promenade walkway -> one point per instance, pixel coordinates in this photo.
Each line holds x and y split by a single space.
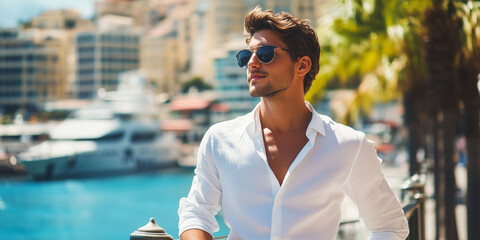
461 209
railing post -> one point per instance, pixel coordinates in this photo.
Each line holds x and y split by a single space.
151 231
414 188
415 184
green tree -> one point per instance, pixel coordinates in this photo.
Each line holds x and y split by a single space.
379 44
196 82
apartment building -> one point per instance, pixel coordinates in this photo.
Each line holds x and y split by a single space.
101 56
60 19
33 68
145 13
165 50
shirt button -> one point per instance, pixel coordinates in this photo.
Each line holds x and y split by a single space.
276 237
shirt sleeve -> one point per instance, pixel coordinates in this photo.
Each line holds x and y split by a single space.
198 209
377 205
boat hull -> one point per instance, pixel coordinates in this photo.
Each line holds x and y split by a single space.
99 160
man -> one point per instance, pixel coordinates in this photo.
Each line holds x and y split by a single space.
281 171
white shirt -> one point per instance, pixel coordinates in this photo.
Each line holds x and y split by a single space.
233 175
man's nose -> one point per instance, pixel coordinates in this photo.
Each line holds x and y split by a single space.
254 62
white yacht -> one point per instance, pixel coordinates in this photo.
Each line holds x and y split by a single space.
119 132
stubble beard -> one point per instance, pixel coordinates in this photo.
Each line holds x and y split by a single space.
268 91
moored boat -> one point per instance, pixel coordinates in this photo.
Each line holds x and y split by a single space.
119 132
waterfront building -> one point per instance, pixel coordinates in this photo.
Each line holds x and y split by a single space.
101 55
165 50
59 19
33 68
34 60
144 13
164 46
13 52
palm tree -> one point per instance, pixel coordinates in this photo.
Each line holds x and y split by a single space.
440 47
377 43
467 17
354 50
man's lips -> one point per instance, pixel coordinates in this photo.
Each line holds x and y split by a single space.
255 76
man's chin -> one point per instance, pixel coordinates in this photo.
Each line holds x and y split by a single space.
254 95
254 92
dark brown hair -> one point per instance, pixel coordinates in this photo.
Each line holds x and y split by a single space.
294 32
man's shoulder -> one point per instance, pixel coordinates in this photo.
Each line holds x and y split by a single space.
339 130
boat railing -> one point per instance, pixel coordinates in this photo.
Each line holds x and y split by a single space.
412 195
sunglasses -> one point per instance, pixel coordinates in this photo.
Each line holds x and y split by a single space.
265 54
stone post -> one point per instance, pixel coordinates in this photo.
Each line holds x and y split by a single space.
151 231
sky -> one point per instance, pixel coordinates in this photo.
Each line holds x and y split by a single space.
13 11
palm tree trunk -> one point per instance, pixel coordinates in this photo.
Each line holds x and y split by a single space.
440 54
468 79
450 117
438 170
413 113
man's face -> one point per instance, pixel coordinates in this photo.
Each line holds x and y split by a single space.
268 80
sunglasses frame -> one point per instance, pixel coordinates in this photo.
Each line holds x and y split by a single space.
255 50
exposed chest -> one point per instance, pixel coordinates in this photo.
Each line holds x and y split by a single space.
282 149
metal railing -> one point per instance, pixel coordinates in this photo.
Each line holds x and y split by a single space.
412 194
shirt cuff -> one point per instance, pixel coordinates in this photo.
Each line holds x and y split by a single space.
192 224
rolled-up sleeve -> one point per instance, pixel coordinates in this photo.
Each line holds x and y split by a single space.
378 206
198 209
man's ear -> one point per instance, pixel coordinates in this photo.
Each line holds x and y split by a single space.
305 63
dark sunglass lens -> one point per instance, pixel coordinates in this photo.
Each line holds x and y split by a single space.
266 53
243 57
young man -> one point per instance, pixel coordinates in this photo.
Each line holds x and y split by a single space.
281 171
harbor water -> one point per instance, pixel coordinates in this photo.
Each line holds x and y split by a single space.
94 208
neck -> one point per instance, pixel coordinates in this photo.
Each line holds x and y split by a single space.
284 114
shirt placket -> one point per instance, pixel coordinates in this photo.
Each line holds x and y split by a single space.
275 233
261 151
277 214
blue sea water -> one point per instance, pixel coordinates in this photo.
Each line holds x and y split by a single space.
95 208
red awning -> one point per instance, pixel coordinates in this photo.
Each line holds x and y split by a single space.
188 104
220 107
177 125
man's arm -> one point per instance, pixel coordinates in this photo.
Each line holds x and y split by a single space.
195 234
377 204
197 210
